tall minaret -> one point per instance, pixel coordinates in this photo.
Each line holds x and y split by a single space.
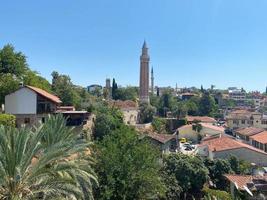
144 75
152 81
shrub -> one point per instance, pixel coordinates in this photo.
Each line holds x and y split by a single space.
7 120
217 194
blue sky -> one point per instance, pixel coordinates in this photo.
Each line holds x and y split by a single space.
191 42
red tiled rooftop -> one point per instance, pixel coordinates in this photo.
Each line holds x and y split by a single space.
201 119
224 143
45 94
249 131
260 137
124 104
206 125
162 138
239 180
210 126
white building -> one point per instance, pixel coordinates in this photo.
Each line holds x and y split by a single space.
30 105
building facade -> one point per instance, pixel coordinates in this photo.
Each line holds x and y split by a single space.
245 118
31 105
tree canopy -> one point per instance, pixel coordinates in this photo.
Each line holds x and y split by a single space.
127 167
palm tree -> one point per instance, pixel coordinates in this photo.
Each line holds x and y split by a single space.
47 163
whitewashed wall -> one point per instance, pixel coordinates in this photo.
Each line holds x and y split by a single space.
23 101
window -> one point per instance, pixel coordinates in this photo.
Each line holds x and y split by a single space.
235 121
27 120
243 121
264 122
43 120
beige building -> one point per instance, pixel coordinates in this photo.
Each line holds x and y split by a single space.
245 118
259 140
129 110
165 142
245 133
188 132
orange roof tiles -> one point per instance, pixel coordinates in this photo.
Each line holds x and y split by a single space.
162 138
224 143
249 131
239 180
205 119
210 126
45 94
124 104
260 137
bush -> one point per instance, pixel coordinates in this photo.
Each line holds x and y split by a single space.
218 194
7 120
159 125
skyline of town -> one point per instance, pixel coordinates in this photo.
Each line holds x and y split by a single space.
212 42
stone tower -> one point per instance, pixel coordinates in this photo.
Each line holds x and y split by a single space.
144 75
108 87
152 81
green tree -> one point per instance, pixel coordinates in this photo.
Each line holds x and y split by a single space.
180 110
127 167
8 84
207 106
128 93
159 125
12 62
64 88
107 120
166 103
189 171
14 70
146 112
47 163
217 170
34 79
114 88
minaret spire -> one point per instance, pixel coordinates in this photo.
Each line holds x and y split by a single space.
152 81
144 74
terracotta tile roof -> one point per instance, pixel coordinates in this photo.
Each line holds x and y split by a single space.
249 131
185 127
204 119
206 125
260 137
45 94
213 127
162 138
123 104
224 143
239 180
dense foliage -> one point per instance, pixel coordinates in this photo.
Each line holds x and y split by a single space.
189 171
146 112
107 120
7 120
14 70
127 167
45 163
